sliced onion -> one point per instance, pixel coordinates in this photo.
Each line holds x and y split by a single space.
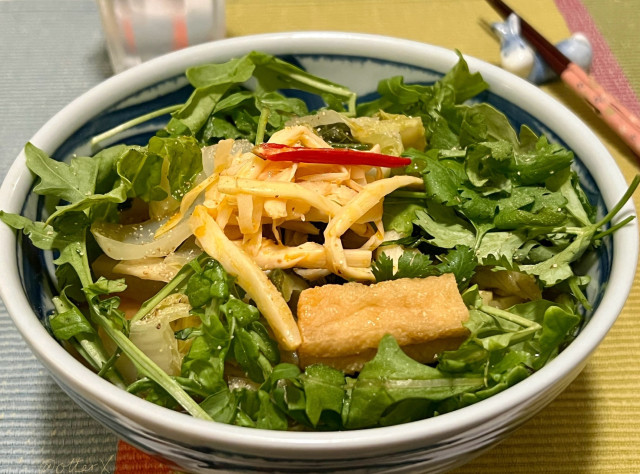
324 117
154 336
209 152
136 241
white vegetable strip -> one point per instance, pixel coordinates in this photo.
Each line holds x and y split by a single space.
249 276
274 189
135 241
151 268
185 204
282 172
370 195
298 135
249 213
222 157
307 255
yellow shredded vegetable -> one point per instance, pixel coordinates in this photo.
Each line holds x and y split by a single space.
255 215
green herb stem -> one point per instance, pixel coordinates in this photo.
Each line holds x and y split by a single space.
90 347
621 202
612 229
262 125
85 355
149 368
177 282
506 315
524 335
139 358
107 366
132 123
94 354
336 90
577 292
406 195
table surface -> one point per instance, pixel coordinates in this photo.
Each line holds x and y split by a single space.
51 52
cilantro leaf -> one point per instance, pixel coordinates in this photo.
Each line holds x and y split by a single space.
445 227
461 261
411 264
537 163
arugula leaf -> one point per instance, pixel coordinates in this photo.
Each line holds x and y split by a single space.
70 182
221 406
506 345
97 185
106 161
69 321
436 104
141 171
324 390
517 218
192 116
70 243
557 327
70 240
273 73
252 115
442 178
496 246
576 202
392 377
457 86
557 268
538 163
486 165
236 70
465 83
184 159
269 417
73 182
215 84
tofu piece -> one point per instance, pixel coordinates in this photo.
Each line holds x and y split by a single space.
341 325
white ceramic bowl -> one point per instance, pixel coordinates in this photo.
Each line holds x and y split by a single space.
358 61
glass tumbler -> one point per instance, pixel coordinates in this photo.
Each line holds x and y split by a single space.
138 30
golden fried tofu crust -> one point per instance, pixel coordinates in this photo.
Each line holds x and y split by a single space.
341 325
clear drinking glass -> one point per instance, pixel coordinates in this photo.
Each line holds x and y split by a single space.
138 30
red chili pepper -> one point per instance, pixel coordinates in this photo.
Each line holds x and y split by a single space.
337 156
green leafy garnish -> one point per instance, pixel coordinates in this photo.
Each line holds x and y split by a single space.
493 200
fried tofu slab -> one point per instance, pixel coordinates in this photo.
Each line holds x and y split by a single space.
341 325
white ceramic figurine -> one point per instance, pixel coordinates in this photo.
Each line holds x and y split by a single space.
518 57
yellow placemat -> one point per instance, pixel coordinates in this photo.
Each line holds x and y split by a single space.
594 426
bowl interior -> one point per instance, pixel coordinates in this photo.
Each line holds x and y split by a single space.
358 72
